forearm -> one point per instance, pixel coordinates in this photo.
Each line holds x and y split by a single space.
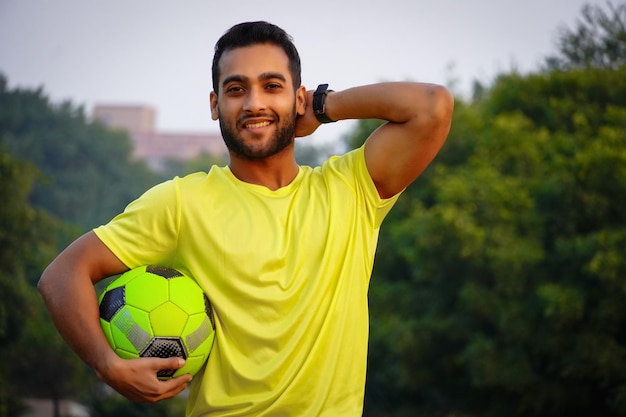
418 116
396 102
67 287
72 305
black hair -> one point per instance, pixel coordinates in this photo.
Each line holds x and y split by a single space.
252 33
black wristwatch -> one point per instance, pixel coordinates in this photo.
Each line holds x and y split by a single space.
319 104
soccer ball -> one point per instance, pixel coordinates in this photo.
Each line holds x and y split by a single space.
155 311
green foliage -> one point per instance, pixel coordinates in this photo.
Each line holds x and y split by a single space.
552 100
499 290
311 154
54 164
86 172
118 406
18 240
361 131
41 364
597 41
201 163
36 361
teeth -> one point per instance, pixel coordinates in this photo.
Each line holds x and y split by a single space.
256 125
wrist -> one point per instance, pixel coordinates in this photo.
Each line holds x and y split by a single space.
319 104
108 364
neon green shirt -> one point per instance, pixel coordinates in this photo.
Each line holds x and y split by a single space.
287 272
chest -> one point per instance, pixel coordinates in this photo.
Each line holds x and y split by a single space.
250 241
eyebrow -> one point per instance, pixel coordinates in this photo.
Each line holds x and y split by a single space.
262 77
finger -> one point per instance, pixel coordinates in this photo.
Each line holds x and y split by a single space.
172 387
160 364
179 382
165 389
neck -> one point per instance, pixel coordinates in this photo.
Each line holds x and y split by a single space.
274 172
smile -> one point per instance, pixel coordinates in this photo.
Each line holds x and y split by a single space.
257 125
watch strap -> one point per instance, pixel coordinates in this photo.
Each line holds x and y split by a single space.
319 103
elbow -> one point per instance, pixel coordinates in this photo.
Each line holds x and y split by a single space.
441 104
437 118
432 113
48 280
42 284
429 103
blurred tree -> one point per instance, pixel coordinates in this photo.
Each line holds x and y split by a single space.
500 293
87 173
42 365
115 405
17 240
27 339
312 154
54 165
21 234
498 282
201 163
597 41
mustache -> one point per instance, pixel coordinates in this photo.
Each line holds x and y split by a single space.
247 117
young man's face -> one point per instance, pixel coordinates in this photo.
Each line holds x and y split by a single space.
256 103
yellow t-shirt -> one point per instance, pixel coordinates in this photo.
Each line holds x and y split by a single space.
287 272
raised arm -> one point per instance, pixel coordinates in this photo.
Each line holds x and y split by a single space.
418 119
67 288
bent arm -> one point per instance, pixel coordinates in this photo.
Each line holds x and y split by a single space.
67 289
418 119
68 292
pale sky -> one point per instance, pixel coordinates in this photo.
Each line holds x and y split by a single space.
159 53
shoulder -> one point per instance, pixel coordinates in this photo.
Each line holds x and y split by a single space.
349 167
345 164
348 172
195 181
346 178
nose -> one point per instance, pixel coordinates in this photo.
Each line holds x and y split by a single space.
254 101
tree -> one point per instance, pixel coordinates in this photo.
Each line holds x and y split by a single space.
117 406
498 292
41 364
16 241
87 174
201 163
312 154
597 41
28 342
54 165
498 283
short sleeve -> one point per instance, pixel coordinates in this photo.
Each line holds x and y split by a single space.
353 169
147 231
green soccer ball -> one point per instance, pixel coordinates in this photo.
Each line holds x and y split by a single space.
155 311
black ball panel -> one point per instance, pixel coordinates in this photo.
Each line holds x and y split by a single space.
112 302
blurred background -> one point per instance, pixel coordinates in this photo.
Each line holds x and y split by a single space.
500 276
158 53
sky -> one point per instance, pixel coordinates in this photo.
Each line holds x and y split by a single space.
159 53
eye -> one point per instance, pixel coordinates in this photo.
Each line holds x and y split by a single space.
273 86
234 89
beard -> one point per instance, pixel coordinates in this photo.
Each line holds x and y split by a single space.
283 137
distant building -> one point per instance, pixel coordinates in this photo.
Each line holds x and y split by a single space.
152 146
127 117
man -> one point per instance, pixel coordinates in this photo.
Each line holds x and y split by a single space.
284 252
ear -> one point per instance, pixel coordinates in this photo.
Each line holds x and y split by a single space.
301 100
215 114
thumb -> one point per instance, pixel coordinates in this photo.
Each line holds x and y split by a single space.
165 367
175 362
